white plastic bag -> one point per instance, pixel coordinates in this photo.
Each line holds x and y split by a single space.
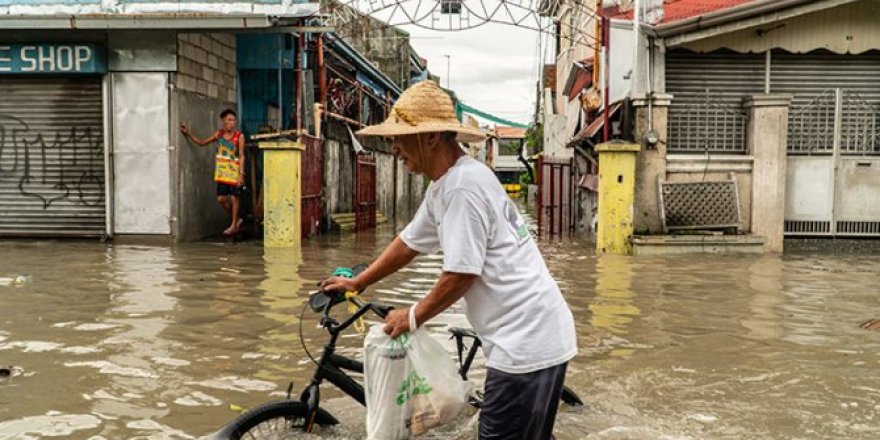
411 384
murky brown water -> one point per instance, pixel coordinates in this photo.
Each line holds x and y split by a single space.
119 342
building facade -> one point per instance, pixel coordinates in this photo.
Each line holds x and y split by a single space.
782 97
90 143
91 110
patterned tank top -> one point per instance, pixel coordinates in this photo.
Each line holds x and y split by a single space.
227 148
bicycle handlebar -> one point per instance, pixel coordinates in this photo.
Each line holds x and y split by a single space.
379 309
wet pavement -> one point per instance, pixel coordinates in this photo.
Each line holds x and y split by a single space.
122 341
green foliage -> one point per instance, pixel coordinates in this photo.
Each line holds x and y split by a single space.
535 139
525 180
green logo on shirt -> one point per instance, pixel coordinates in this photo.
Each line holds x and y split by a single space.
522 231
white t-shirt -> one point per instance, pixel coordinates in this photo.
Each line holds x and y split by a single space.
514 305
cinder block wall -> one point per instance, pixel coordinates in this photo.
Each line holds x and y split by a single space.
206 65
205 85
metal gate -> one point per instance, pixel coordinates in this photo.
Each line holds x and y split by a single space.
833 177
312 186
365 192
52 157
556 194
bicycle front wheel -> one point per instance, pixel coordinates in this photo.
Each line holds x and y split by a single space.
273 421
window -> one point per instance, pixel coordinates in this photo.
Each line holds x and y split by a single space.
509 147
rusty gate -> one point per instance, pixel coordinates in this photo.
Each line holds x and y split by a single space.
365 192
556 195
312 185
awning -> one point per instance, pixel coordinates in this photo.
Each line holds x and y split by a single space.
591 130
579 78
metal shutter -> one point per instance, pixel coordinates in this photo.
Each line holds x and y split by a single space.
812 79
708 90
807 76
51 157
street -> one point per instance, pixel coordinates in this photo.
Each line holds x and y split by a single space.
121 341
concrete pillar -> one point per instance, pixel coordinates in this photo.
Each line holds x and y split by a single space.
282 193
617 170
766 141
650 162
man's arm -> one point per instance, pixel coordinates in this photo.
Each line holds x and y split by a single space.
241 156
449 288
394 257
199 141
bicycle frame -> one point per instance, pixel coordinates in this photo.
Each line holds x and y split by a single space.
331 367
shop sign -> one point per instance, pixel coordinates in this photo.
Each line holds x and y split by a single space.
71 58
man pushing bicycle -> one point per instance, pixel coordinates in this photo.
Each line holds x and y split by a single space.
490 262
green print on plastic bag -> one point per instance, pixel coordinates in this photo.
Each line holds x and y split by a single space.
412 386
396 348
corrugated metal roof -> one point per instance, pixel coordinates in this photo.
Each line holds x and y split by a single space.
676 10
135 14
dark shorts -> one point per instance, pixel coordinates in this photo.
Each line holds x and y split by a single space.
521 406
228 190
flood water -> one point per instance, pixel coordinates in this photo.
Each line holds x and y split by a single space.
124 341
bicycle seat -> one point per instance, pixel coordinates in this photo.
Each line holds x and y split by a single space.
462 332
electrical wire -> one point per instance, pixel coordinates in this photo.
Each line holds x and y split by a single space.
302 339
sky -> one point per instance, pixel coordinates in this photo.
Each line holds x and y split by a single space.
493 68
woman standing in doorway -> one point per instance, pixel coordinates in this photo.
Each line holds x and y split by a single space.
228 167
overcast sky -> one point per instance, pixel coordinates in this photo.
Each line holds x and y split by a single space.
494 68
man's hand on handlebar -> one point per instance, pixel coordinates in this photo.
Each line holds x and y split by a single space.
341 284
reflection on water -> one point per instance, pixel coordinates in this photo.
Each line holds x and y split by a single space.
612 307
118 342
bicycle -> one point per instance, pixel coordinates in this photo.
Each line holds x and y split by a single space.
288 415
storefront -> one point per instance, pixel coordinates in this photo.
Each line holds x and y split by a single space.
91 98
52 156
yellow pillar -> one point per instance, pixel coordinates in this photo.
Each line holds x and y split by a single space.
617 178
282 193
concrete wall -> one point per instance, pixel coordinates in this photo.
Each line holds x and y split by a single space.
650 164
198 213
385 46
767 143
204 87
206 65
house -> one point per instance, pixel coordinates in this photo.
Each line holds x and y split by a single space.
508 150
574 106
782 95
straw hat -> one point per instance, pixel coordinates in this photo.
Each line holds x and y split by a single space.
424 108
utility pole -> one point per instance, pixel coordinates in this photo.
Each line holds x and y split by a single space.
448 75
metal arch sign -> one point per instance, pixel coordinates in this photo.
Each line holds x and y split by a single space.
61 58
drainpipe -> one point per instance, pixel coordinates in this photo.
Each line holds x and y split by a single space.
280 122
606 71
598 33
322 72
299 81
